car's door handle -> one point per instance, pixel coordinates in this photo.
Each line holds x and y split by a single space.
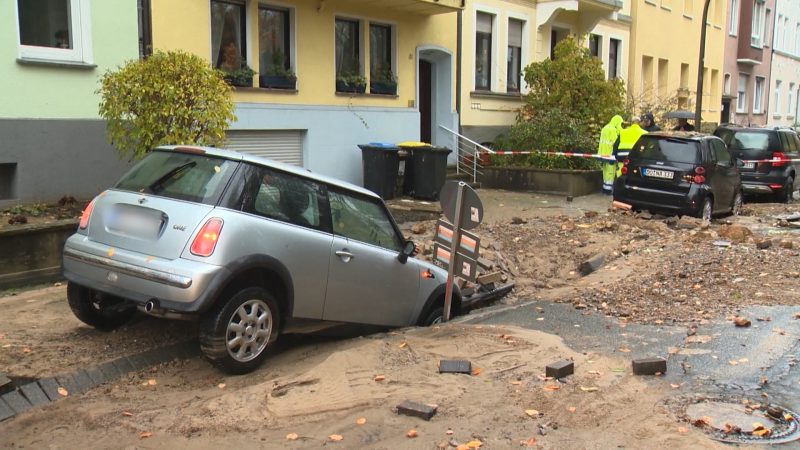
344 255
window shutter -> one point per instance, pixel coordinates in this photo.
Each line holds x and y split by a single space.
515 33
484 23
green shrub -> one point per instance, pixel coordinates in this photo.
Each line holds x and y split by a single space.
169 98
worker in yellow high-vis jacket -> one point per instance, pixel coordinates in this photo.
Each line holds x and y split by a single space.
608 136
627 138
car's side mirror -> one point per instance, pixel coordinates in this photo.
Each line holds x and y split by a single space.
409 247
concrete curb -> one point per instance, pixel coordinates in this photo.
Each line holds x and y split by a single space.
44 391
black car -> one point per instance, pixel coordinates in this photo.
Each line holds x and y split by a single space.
680 173
750 144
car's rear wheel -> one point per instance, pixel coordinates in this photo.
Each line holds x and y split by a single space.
707 211
101 311
736 208
236 334
788 191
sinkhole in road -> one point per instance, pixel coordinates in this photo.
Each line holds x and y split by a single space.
737 419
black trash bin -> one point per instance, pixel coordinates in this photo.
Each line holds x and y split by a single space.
380 164
426 171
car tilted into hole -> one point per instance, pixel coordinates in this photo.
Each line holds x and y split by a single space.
248 246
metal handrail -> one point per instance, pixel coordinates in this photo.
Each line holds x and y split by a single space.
467 151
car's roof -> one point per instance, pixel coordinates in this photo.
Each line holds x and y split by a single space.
687 135
236 156
732 127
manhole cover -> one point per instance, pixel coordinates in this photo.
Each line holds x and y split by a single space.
738 420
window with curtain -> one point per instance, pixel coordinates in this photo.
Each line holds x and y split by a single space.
613 58
54 30
758 96
228 34
514 63
483 51
380 52
733 27
274 40
757 29
741 93
777 106
348 61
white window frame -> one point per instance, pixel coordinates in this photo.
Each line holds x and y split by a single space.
777 106
523 88
741 94
733 28
758 95
757 28
81 32
789 112
494 55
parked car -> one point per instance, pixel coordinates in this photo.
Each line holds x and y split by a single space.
247 246
750 144
680 173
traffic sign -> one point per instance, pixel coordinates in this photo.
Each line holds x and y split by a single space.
466 268
469 243
471 208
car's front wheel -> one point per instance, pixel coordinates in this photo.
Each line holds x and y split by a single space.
101 311
434 317
236 334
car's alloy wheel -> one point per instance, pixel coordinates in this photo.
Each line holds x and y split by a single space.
707 211
736 209
249 330
237 333
101 311
434 317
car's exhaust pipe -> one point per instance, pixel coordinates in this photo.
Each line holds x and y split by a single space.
152 307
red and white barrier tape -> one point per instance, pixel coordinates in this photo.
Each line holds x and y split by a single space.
567 154
773 160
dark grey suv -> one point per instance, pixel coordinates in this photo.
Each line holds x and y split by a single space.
249 247
781 146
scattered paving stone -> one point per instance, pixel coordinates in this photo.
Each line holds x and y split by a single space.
455 366
591 265
560 369
419 228
517 221
741 322
763 243
4 380
787 244
649 366
414 409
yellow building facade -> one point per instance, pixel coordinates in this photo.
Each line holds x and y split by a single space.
317 121
663 60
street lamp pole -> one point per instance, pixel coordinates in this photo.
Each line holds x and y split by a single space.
700 65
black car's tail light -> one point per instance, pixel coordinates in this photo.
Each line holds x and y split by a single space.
781 157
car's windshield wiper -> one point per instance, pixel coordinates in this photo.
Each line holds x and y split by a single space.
156 186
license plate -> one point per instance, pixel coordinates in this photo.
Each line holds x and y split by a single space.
135 224
749 165
654 173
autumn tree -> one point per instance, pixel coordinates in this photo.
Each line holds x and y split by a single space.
168 98
568 102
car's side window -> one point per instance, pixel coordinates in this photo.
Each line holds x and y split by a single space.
791 145
285 197
722 155
793 137
362 219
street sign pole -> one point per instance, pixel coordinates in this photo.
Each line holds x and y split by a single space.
448 293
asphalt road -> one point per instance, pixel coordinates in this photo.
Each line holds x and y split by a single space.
746 362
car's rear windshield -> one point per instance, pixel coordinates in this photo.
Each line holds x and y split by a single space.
667 150
182 176
748 140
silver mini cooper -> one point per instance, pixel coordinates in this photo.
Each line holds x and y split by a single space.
250 247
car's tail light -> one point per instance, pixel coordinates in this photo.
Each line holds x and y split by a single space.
700 170
87 214
781 157
206 240
624 169
776 186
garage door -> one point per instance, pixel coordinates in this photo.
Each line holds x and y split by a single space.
281 145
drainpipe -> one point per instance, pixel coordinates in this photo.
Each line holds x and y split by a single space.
459 29
700 63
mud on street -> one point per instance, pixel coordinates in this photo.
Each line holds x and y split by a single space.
665 280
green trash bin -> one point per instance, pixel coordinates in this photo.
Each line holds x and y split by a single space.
380 165
426 171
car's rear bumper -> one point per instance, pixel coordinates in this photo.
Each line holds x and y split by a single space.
681 203
762 183
178 285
